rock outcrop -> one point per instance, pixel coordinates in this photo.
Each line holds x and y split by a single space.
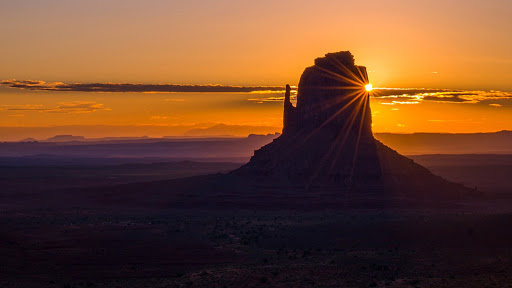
327 139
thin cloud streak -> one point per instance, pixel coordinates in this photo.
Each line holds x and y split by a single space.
387 96
133 87
415 96
74 107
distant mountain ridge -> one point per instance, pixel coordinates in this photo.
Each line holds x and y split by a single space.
65 138
407 144
207 129
183 148
227 130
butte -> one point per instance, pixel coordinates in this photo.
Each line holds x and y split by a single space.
327 143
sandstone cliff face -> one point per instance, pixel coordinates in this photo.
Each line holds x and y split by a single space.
331 95
327 137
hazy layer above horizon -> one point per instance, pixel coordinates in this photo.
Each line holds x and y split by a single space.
43 114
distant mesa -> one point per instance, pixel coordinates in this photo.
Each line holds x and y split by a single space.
30 139
65 138
224 130
71 138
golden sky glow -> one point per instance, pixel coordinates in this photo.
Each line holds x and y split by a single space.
166 114
458 45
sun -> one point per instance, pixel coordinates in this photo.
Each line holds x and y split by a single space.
369 87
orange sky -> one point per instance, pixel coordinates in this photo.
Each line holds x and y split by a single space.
431 44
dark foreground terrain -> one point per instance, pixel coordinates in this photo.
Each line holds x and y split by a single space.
88 248
490 173
469 245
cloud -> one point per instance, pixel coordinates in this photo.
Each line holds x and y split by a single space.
174 100
74 107
443 98
158 117
280 99
400 102
133 87
267 99
454 121
389 96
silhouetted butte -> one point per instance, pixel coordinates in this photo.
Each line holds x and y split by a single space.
327 140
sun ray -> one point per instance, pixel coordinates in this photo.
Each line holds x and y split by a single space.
332 117
348 70
353 117
332 102
336 76
358 138
358 99
348 80
363 77
344 131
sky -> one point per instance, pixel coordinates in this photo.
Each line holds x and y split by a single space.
449 44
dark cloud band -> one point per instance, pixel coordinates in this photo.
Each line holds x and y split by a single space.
386 95
415 96
131 87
